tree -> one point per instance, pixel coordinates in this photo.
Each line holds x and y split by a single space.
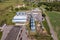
16 9
43 15
1 0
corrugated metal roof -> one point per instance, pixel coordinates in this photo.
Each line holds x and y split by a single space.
20 17
32 23
19 21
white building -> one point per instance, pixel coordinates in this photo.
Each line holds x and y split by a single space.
20 18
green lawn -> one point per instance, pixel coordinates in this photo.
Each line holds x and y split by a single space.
55 21
0 35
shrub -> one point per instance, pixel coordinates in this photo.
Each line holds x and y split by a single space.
24 8
16 9
43 15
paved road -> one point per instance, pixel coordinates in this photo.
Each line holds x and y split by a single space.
13 33
54 35
6 30
23 33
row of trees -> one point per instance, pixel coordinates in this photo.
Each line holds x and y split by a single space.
54 6
21 8
41 0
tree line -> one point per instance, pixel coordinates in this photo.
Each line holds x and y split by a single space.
54 6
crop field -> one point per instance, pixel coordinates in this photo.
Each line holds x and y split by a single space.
55 21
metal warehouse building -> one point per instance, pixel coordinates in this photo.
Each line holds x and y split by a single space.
20 18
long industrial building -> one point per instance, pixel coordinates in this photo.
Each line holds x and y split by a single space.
20 18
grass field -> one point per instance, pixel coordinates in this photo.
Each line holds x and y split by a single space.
0 35
5 4
7 17
55 21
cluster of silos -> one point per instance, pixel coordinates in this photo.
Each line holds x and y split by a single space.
32 24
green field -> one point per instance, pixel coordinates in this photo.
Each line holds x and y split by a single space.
7 17
5 4
0 35
55 21
5 14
